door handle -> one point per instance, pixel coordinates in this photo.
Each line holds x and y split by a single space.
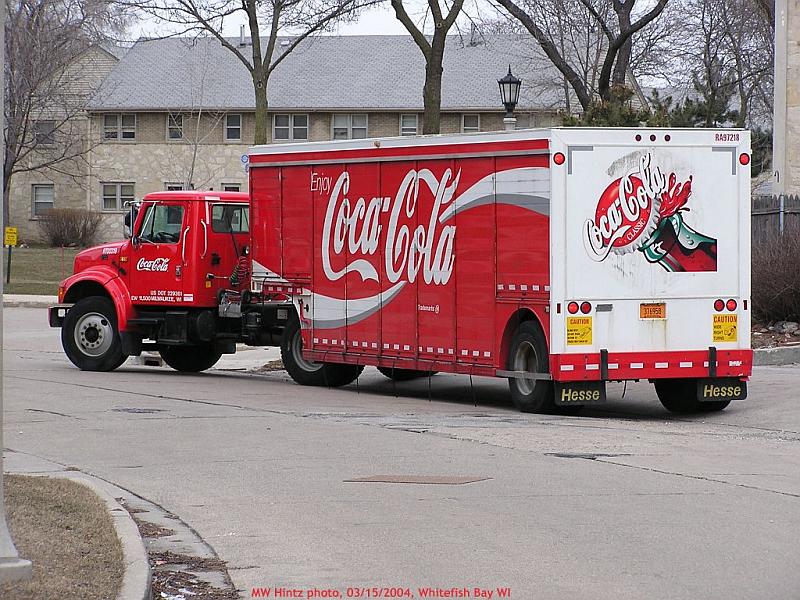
183 246
205 239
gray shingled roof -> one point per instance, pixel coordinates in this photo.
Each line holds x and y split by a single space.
327 73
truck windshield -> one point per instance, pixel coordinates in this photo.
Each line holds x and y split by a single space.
230 218
162 224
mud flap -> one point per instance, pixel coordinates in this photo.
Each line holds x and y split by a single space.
570 393
721 389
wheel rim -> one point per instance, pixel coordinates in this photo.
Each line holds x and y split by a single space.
93 334
297 353
525 359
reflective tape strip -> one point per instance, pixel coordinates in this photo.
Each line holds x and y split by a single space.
592 367
613 365
567 367
662 365
637 365
685 365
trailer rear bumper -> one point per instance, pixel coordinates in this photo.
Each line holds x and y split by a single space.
681 364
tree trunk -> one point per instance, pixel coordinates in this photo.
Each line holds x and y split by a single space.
262 118
432 92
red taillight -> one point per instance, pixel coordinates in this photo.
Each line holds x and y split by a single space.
719 305
744 159
731 305
572 307
559 158
586 308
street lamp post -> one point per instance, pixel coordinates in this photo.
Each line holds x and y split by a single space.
509 92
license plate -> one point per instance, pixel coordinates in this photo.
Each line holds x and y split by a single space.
653 310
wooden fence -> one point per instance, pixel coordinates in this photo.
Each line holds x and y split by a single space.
773 215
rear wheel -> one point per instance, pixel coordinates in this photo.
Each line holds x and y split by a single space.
404 374
89 335
528 353
190 359
680 396
308 372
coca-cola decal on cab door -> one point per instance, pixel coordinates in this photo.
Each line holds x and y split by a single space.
160 265
644 212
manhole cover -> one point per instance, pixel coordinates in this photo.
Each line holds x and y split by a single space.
138 411
418 479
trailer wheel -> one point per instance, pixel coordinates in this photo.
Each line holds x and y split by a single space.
89 335
404 374
529 353
307 372
680 396
190 359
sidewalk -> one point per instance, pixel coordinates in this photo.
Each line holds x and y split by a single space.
28 301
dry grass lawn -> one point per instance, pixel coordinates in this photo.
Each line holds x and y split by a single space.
64 528
38 270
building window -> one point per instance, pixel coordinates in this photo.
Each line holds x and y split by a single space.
231 187
349 127
119 127
233 128
43 198
172 186
115 195
470 123
174 127
408 124
289 127
44 133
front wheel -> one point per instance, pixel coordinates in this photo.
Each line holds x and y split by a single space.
528 353
404 374
190 359
308 372
680 396
89 335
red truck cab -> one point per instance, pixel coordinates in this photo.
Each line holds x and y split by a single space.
161 286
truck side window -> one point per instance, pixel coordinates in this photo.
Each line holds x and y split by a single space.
230 218
162 224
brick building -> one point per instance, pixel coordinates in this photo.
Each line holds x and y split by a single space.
176 113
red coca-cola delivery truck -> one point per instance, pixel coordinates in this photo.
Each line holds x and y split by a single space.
560 259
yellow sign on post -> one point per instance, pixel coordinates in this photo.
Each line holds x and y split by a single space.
10 237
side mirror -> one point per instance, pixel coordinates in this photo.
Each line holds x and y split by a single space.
129 221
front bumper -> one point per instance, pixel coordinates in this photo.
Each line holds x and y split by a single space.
57 313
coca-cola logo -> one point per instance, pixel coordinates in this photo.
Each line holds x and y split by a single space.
427 249
627 212
157 264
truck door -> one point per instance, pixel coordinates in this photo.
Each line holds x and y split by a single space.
158 253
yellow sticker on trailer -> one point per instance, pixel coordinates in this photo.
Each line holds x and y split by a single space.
579 331
725 328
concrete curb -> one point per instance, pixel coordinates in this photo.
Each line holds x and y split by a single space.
782 355
136 582
28 301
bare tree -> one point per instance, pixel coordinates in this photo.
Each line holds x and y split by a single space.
268 18
45 91
615 19
433 51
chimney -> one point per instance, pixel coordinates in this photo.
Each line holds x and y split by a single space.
242 42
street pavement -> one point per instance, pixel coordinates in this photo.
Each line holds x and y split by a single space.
621 502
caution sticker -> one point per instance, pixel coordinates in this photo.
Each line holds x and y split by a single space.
725 328
579 331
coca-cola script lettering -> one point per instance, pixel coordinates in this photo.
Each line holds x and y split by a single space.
428 248
160 265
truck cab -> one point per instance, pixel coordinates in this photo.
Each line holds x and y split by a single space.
160 289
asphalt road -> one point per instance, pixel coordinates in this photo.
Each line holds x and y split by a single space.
624 502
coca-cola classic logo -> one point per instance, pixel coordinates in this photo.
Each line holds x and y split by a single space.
428 248
157 264
644 211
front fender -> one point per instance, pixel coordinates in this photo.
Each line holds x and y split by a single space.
90 282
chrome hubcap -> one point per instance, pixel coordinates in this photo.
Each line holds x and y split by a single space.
525 360
297 352
93 334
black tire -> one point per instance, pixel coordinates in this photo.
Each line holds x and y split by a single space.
190 359
528 352
90 337
306 372
680 396
404 374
